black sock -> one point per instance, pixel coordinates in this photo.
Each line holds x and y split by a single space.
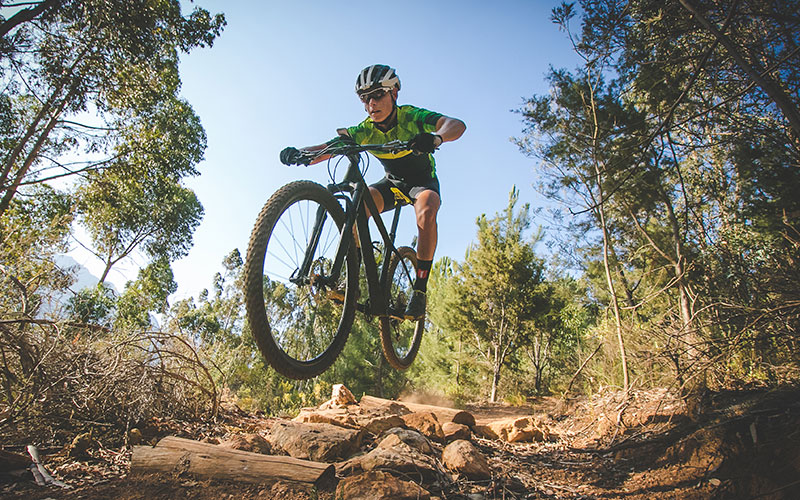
423 269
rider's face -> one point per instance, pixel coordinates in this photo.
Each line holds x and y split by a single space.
380 109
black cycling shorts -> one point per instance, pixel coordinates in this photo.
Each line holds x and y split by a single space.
396 190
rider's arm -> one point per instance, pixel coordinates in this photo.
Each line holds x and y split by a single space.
449 129
341 132
318 147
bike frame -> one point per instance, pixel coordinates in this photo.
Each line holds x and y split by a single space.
353 190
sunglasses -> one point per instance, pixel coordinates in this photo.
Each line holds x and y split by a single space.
375 94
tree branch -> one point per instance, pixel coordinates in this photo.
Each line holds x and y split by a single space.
774 91
26 15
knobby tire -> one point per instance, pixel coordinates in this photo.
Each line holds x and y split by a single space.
258 251
400 340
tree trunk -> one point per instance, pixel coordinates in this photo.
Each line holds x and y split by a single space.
614 300
495 374
26 15
379 381
443 414
178 456
599 205
11 190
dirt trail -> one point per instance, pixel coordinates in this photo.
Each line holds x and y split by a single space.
743 444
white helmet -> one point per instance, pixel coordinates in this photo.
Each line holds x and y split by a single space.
375 77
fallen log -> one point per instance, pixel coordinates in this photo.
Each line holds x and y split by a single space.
13 461
442 413
183 456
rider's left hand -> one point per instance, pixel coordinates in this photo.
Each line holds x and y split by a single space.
425 142
292 156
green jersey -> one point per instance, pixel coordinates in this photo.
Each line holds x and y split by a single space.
410 122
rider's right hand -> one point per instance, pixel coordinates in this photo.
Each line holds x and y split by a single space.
290 156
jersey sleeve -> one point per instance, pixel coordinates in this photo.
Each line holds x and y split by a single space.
360 133
426 120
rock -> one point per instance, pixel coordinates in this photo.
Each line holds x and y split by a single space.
518 429
135 437
412 438
426 423
379 425
486 432
80 446
464 418
335 416
376 485
247 442
400 458
342 396
393 455
461 456
453 431
316 442
384 406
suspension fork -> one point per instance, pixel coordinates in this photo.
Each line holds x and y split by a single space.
302 273
351 185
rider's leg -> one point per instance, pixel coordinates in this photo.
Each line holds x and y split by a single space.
377 197
426 208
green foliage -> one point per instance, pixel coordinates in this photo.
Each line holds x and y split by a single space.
684 160
32 231
496 293
147 294
92 92
219 320
362 367
139 200
93 306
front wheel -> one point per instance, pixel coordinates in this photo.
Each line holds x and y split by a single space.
300 317
400 339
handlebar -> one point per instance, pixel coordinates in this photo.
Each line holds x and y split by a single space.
341 149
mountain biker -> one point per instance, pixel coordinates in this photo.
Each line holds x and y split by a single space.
410 175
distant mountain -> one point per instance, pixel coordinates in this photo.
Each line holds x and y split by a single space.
85 279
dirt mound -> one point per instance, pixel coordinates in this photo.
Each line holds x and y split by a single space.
641 445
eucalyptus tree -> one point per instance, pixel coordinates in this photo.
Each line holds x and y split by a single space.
33 230
91 92
124 212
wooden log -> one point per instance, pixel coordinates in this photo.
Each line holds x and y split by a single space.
442 414
179 456
13 461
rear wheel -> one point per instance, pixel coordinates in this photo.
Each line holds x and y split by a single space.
300 323
400 339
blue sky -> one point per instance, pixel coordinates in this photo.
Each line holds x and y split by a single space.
282 73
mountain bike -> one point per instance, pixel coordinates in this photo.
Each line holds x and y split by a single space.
302 270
